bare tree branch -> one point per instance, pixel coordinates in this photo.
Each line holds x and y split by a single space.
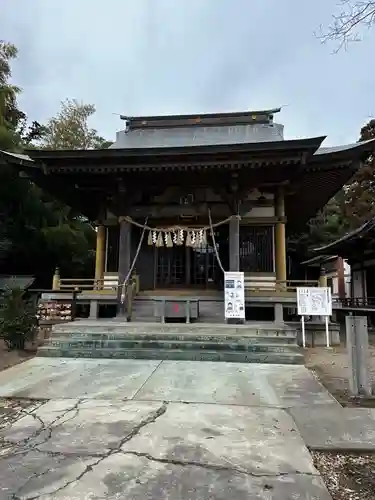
346 25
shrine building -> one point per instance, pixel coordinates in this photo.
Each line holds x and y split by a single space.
177 200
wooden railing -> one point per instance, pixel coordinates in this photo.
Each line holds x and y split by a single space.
103 286
84 284
356 302
93 285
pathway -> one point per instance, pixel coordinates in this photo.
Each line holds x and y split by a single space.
118 429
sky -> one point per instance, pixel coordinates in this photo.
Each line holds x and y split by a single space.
145 57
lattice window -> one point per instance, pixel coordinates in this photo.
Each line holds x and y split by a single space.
203 265
185 266
256 249
171 268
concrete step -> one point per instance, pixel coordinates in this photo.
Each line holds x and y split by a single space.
175 354
249 338
121 327
255 343
84 343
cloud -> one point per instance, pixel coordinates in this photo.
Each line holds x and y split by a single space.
180 56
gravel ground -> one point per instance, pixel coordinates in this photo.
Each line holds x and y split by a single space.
11 358
347 476
331 367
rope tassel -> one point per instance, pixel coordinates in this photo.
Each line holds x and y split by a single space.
180 237
193 239
168 240
159 241
204 238
150 241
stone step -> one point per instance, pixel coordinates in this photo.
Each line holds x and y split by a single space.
83 343
288 338
175 354
120 327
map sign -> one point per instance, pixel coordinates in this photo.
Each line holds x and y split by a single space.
234 295
314 301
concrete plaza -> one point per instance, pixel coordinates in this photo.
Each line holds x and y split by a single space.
119 429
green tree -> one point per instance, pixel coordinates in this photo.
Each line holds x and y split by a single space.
360 192
69 129
10 115
329 224
17 318
36 231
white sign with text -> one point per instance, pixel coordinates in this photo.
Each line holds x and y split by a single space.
314 301
234 295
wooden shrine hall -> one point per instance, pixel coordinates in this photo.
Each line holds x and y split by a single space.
177 200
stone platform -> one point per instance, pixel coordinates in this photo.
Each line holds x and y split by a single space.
250 343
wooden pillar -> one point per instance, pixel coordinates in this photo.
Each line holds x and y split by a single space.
341 277
188 266
280 241
323 280
234 244
56 280
100 256
124 254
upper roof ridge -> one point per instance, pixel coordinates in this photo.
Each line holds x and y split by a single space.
200 119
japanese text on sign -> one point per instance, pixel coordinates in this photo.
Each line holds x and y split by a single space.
234 295
314 301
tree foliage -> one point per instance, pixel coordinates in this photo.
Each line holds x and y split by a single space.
347 24
37 232
10 115
353 205
17 318
14 129
69 129
360 192
329 224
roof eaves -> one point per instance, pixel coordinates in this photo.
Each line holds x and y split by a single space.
366 227
283 145
361 146
319 259
17 158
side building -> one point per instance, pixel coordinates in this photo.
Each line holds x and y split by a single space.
358 248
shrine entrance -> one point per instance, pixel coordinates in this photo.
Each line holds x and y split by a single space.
187 267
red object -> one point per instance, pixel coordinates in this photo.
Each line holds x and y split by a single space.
176 308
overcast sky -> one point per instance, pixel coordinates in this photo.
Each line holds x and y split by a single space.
191 56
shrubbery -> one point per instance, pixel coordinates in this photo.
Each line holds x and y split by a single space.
18 322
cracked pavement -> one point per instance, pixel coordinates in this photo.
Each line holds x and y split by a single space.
166 439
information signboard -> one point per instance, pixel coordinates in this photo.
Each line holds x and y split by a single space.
314 301
234 295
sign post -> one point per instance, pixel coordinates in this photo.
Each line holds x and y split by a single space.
234 295
314 301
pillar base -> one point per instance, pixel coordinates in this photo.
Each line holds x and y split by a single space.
94 309
279 314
